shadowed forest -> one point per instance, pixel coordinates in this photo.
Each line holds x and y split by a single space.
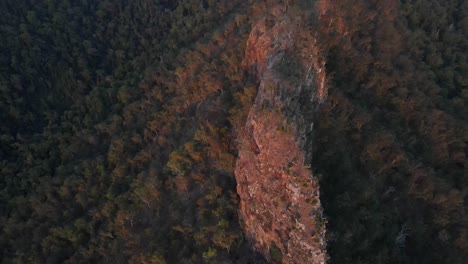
118 130
392 139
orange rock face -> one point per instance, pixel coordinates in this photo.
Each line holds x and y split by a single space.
279 197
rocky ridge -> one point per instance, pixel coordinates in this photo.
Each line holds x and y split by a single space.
280 207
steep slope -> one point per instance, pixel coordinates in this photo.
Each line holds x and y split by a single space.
279 197
137 166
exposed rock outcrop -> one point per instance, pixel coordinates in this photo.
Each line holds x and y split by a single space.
279 197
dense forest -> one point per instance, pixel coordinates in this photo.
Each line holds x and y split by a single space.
395 121
106 151
118 124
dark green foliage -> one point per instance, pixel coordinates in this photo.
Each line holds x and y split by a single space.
392 141
105 156
116 131
276 255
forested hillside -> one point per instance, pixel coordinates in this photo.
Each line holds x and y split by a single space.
118 127
116 142
391 143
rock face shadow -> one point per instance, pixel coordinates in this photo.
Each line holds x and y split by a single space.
280 207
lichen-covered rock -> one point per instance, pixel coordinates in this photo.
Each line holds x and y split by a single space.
279 197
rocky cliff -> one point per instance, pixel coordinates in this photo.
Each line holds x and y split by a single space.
279 197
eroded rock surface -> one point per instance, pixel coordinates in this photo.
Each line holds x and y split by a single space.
279 197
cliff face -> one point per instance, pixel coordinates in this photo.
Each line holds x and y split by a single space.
279 197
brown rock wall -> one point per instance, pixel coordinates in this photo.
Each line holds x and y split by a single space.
279 197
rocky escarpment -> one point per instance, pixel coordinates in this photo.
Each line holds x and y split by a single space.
279 197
